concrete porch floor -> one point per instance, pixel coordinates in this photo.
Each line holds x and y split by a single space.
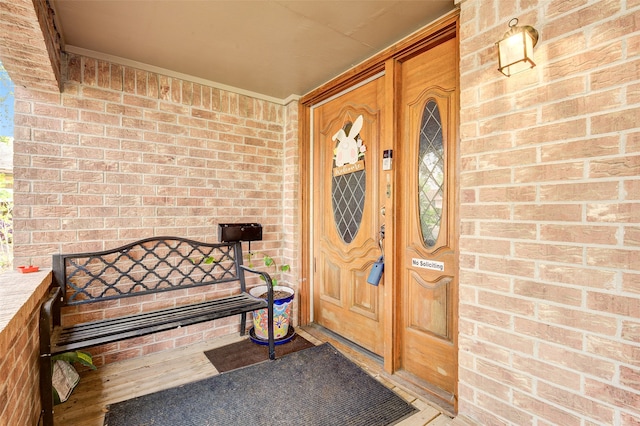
131 378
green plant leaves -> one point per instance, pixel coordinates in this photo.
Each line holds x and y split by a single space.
80 357
207 260
269 262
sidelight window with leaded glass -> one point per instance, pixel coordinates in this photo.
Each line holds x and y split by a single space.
430 173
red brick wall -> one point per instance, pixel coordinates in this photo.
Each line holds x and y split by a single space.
20 347
550 179
124 154
19 392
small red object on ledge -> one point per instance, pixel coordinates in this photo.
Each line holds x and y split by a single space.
27 269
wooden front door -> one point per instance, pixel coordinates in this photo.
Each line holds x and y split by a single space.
427 248
346 219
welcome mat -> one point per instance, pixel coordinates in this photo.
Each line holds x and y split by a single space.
317 386
245 352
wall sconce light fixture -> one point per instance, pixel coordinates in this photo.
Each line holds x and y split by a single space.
515 50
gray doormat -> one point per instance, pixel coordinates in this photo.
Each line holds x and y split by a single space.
315 386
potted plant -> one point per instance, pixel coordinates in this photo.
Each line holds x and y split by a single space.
282 301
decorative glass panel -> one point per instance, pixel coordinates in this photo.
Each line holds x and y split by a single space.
430 173
348 203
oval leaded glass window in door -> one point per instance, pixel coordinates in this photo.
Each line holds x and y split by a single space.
430 173
349 180
348 203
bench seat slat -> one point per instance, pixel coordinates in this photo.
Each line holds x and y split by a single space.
116 325
116 329
241 299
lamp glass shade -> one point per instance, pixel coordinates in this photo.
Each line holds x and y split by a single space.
515 52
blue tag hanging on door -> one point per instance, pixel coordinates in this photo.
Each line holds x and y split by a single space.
376 271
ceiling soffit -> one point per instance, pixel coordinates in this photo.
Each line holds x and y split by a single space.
269 47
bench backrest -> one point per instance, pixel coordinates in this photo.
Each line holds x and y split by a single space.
147 266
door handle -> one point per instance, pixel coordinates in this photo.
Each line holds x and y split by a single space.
375 275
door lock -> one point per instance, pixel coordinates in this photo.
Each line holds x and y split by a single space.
381 240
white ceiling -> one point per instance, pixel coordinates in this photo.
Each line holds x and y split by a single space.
275 48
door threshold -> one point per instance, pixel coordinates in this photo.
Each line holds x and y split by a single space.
426 390
342 343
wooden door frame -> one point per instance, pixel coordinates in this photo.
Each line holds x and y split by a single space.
389 61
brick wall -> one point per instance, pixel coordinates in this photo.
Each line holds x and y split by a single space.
291 199
21 297
31 59
123 154
19 392
550 216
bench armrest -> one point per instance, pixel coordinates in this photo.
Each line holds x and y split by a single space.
49 312
48 318
267 279
271 332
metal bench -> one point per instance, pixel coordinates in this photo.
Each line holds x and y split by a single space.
144 268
